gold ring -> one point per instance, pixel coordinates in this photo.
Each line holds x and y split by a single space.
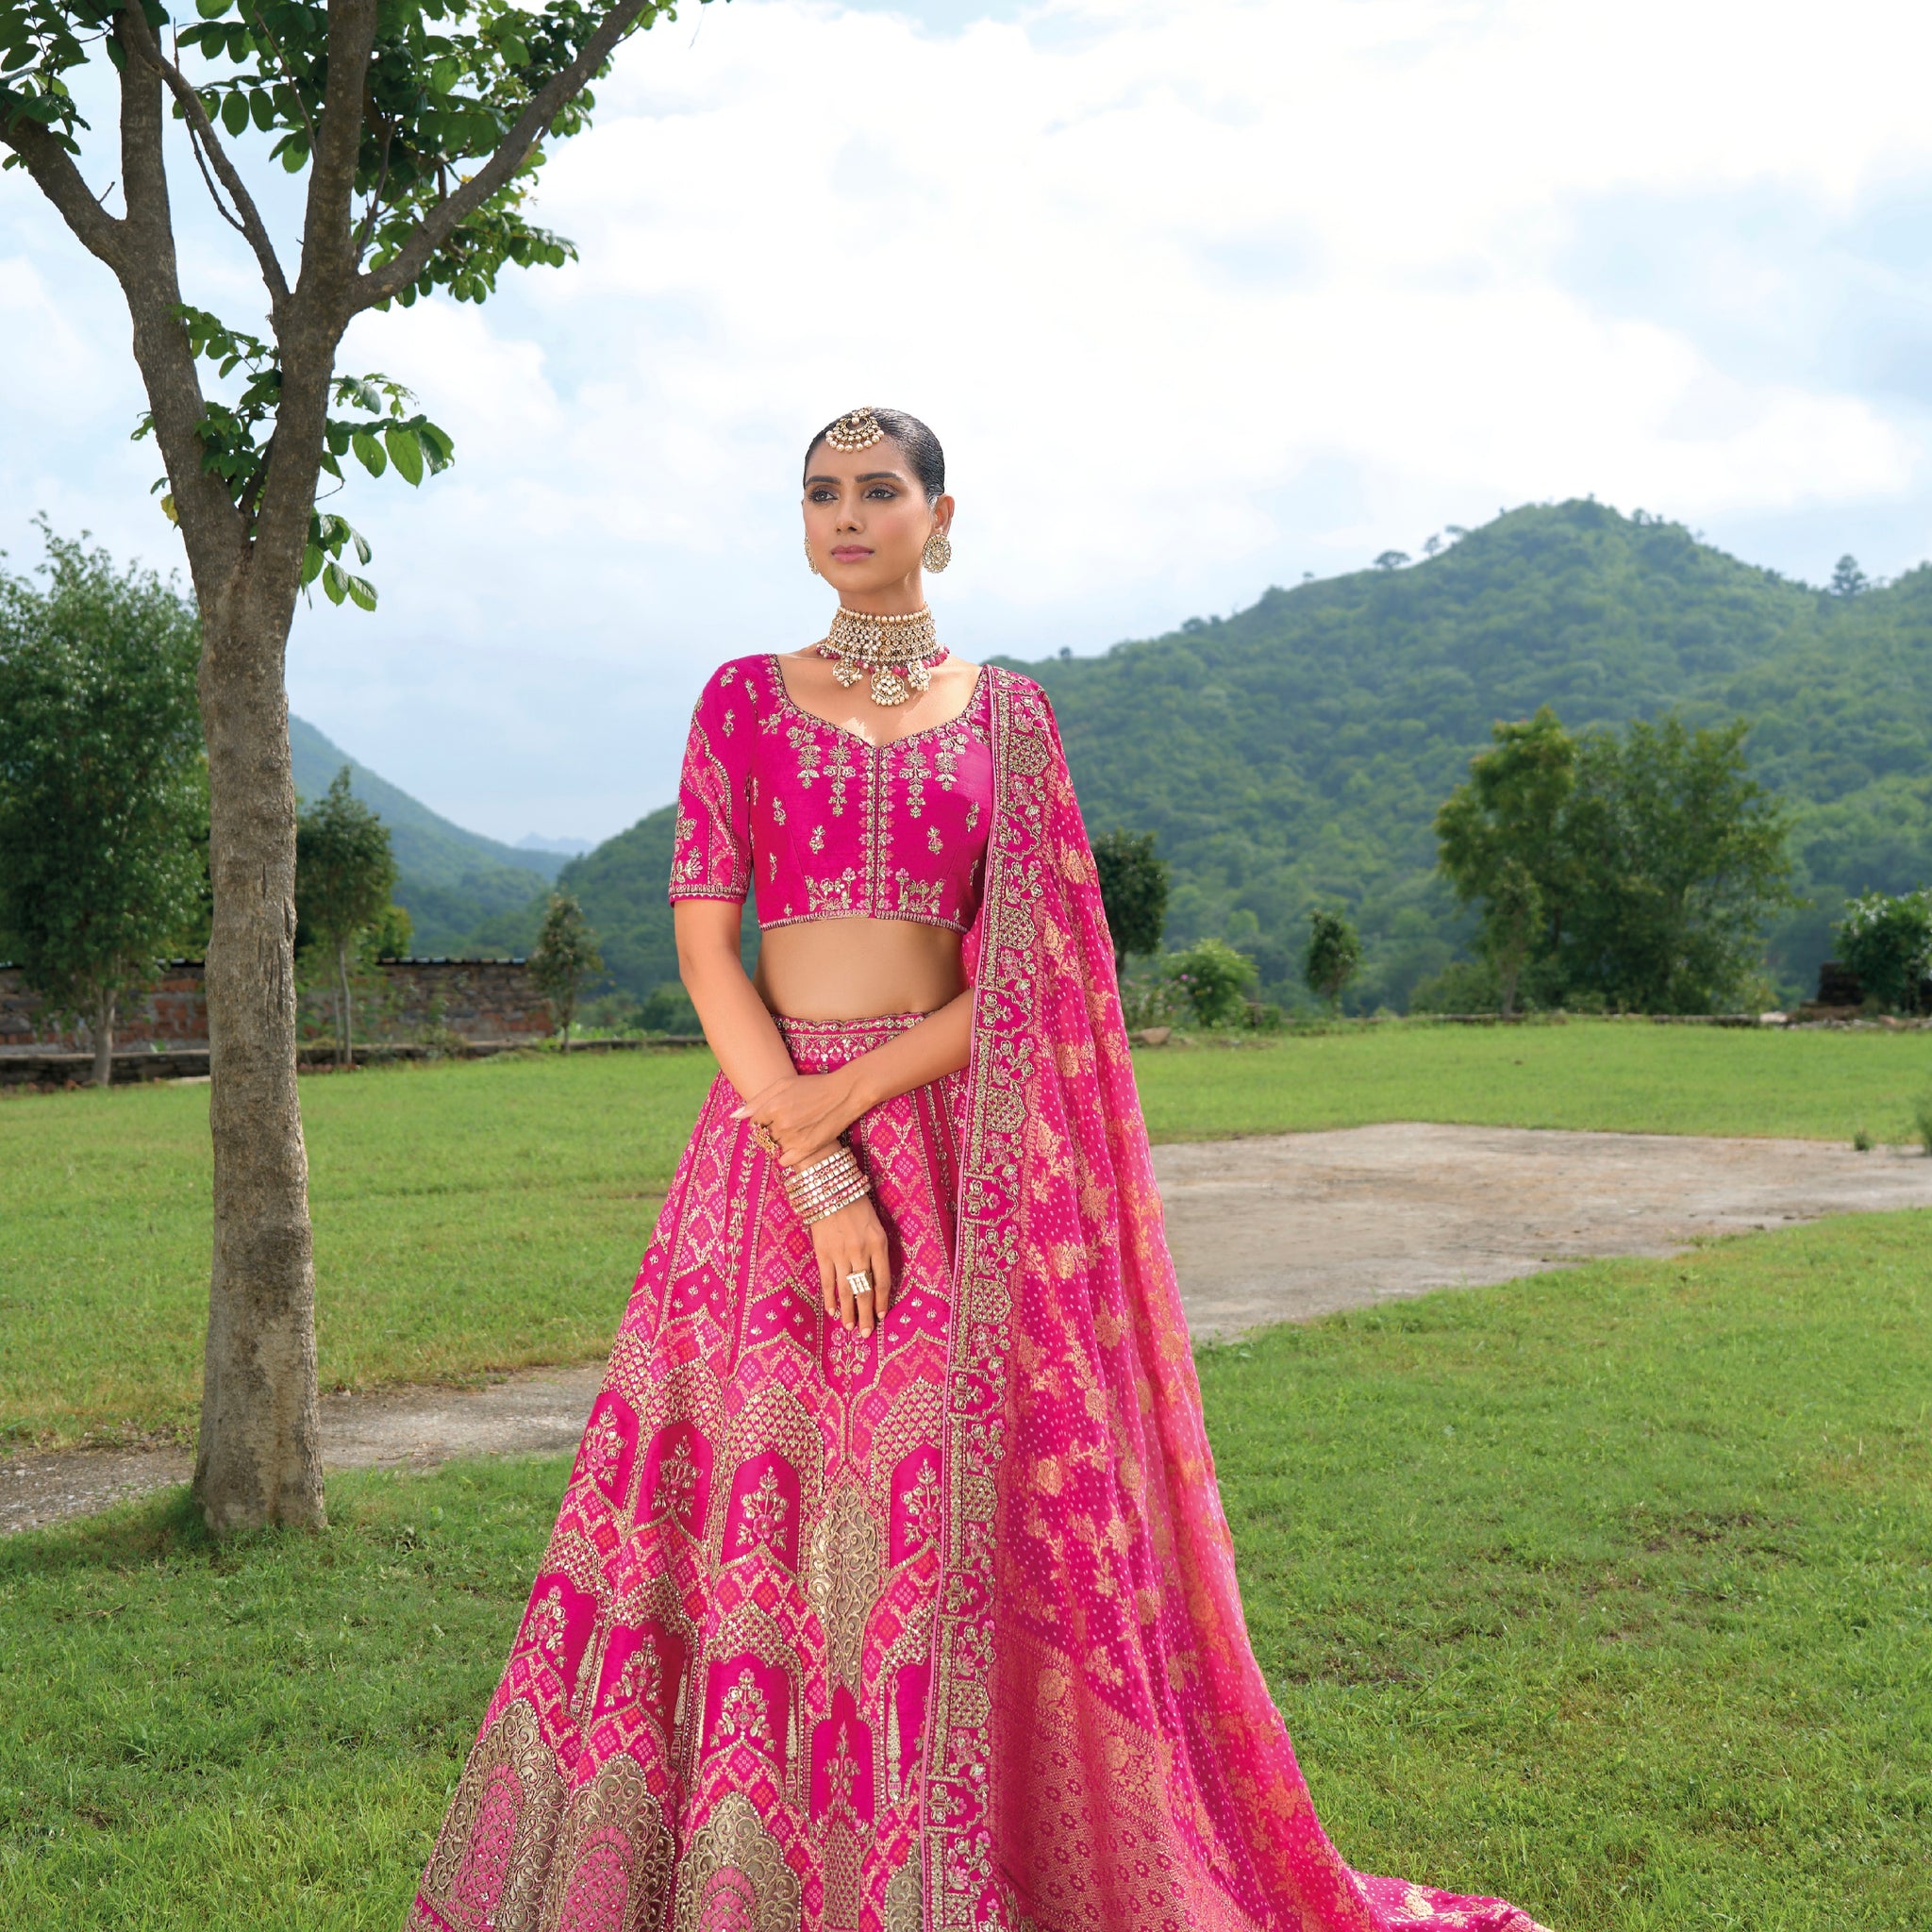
860 1284
766 1139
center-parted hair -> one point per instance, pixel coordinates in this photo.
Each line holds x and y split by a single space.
920 448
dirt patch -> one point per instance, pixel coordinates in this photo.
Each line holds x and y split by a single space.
1275 1230
1294 1226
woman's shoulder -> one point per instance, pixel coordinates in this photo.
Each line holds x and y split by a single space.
736 681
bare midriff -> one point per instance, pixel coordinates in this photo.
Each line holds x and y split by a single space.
857 969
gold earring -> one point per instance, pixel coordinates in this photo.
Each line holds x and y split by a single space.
937 552
812 563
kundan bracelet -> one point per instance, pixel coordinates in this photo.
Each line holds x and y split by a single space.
832 1182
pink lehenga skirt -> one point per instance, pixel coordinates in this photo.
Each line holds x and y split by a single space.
713 1714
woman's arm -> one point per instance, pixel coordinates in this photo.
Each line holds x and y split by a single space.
740 1032
808 1111
754 1058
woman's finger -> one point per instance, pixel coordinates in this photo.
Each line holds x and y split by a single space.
848 1307
828 1283
881 1274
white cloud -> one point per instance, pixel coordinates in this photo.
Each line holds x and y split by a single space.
1198 297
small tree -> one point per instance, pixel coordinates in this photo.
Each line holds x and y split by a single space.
1887 941
1501 844
103 787
564 958
1213 978
1133 889
345 873
1847 579
1333 958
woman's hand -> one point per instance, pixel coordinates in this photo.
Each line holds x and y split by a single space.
848 1243
803 1112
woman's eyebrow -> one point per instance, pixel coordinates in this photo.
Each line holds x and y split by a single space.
870 477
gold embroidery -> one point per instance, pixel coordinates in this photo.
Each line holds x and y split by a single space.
735 1875
743 1718
488 1868
905 1906
765 1513
844 1581
614 1854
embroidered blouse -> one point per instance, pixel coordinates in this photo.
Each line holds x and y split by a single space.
822 825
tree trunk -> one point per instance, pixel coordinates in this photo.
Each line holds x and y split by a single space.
260 1459
104 1039
345 1045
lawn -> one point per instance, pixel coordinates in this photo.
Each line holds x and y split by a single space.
1570 1589
472 1217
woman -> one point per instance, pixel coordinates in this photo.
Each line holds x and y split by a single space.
891 1587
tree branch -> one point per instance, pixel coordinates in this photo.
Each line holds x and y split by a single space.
327 261
441 222
56 177
247 217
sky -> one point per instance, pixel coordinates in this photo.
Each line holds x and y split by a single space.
1200 298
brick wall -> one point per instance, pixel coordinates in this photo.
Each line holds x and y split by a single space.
480 999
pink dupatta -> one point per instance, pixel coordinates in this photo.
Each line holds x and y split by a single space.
1103 1751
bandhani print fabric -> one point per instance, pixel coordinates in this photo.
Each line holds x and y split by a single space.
938 1630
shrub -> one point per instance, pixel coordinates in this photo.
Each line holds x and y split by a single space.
1887 941
1213 979
669 1010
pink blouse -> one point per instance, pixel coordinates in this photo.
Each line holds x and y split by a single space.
825 824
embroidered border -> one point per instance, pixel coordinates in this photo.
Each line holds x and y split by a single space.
962 1883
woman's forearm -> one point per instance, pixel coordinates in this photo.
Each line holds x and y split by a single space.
939 1045
740 1031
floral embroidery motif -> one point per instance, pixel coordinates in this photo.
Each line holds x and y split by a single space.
743 1718
922 1506
765 1513
842 1774
919 898
817 841
546 1626
642 1679
603 1446
677 1476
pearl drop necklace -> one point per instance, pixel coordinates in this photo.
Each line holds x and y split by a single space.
899 651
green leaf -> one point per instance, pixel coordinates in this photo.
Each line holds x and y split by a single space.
369 453
444 76
168 507
262 108
405 452
362 592
335 581
210 9
235 112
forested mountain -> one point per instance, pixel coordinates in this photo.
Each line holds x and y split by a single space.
449 879
1296 752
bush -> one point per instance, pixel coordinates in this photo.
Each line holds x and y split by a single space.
669 1010
1149 999
1463 986
1213 981
1886 942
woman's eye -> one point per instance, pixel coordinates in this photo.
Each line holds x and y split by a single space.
884 491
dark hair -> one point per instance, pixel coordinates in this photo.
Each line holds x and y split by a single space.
921 448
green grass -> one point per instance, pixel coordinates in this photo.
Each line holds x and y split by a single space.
472 1217
468 1218
1617 1076
1610 1590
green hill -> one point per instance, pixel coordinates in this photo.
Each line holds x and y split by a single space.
1297 751
450 881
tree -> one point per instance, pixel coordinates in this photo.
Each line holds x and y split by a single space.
421 128
1847 579
103 786
1214 979
1886 938
1501 844
345 873
1392 559
565 957
1685 857
1133 890
1333 958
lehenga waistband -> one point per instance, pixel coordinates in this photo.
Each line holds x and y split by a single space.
820 1034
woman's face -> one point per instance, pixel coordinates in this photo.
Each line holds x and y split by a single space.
866 517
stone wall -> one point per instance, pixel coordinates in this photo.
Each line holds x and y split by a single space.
478 999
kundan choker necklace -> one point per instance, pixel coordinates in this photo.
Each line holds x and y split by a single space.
900 652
